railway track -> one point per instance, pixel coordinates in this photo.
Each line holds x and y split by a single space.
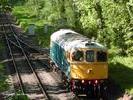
36 82
16 49
21 85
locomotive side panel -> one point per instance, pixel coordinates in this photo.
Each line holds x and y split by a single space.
58 56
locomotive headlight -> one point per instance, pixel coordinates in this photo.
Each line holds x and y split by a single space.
96 81
89 82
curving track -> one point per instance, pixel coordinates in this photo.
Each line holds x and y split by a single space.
17 48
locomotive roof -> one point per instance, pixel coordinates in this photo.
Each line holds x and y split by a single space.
69 39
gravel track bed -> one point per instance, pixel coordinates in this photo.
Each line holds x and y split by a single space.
30 84
53 83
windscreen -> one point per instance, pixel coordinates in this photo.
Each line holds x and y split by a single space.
77 55
101 56
90 56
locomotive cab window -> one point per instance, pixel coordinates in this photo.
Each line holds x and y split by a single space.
101 56
90 56
77 55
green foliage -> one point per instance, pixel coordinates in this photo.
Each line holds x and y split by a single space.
87 17
43 38
1 46
5 5
109 21
18 96
3 83
17 2
3 76
129 42
4 2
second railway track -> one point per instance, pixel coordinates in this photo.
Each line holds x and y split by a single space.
16 50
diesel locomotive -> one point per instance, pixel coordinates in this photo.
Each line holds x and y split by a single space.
82 62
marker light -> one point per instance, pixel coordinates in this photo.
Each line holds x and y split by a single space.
83 81
89 82
96 81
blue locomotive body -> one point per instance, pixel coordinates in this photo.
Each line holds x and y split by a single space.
58 56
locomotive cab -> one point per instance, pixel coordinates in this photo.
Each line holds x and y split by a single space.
89 68
89 64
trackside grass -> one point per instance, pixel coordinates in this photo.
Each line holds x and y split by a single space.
3 76
121 70
3 83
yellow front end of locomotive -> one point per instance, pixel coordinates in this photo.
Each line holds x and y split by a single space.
89 71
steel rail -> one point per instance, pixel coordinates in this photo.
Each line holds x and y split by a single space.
11 28
31 67
20 40
14 43
33 70
17 45
14 63
27 44
43 89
